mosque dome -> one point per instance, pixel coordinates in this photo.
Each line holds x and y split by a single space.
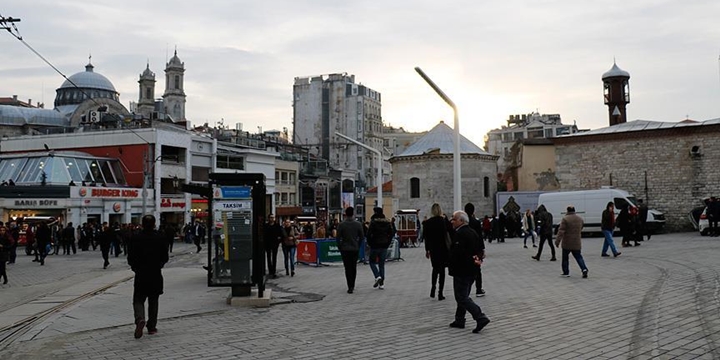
615 71
84 85
88 79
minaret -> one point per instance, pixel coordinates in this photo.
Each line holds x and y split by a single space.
174 96
617 93
146 101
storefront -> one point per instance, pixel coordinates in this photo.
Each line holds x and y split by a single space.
172 210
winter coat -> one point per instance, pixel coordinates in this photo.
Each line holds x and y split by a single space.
435 230
147 254
608 220
380 233
569 233
545 221
349 235
466 244
274 234
5 244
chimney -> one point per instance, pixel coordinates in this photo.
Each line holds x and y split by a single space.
14 97
30 102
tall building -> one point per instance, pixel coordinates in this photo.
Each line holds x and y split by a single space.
146 100
326 104
526 126
616 91
174 96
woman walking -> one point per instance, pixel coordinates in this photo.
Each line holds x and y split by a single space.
289 247
5 244
436 233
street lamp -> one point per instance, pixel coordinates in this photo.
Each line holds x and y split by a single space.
146 172
378 176
457 189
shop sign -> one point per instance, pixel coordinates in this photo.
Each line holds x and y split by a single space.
36 203
307 252
107 193
172 203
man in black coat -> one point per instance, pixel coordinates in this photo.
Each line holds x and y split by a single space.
68 239
544 220
476 225
43 238
105 239
379 236
467 253
274 234
147 254
713 215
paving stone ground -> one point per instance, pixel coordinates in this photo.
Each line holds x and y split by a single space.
656 301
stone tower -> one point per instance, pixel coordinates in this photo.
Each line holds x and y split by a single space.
174 96
146 101
616 90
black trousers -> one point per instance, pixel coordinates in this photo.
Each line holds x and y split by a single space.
546 238
478 280
438 276
67 245
139 308
271 255
105 250
350 259
461 287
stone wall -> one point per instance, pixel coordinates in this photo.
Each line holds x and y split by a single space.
436 182
676 180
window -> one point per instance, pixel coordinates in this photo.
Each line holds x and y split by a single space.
414 188
232 162
518 135
549 133
291 180
486 186
177 81
148 93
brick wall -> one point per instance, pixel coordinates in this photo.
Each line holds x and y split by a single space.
676 180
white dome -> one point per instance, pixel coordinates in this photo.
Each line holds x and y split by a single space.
615 71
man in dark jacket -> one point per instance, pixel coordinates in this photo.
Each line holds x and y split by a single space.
713 215
44 238
105 239
467 253
607 226
274 234
380 234
349 235
476 225
544 220
569 236
147 254
68 239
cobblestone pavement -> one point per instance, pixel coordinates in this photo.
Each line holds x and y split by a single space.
659 300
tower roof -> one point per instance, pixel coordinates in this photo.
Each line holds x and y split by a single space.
615 71
175 61
147 74
441 140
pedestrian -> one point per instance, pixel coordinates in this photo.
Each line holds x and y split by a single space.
147 254
116 239
501 225
5 245
289 247
466 253
642 220
487 228
713 215
43 238
106 238
476 225
380 234
436 231
14 232
569 235
528 227
30 245
273 237
608 226
68 239
198 234
627 223
349 235
545 220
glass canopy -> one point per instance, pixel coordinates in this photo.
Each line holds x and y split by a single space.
60 169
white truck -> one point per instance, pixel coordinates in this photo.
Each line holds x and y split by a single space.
589 204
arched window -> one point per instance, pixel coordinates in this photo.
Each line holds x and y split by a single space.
177 81
486 186
414 188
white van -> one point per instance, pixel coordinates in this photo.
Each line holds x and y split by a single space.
589 204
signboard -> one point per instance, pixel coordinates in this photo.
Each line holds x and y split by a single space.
232 192
328 251
172 204
348 200
307 252
88 192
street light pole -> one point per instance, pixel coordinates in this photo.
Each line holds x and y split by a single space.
378 176
457 175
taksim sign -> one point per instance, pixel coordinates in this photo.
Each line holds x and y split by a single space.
105 193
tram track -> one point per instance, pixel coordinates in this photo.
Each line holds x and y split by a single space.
10 333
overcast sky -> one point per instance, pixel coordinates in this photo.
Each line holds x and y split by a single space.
493 58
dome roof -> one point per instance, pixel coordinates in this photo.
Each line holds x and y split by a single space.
615 71
441 140
88 79
147 74
175 61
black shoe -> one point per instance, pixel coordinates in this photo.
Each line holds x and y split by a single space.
42 262
292 273
457 325
604 255
585 274
618 254
553 259
139 325
350 291
637 244
536 257
440 297
432 292
481 324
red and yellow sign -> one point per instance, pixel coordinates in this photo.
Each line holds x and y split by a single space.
172 203
106 193
307 252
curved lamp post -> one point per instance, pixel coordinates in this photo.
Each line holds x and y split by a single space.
457 187
378 178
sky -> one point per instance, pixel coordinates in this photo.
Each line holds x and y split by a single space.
492 58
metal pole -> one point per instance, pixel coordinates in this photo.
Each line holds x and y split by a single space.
457 174
378 176
144 184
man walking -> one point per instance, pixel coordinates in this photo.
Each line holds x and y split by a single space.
68 239
349 235
545 221
476 225
105 238
713 215
147 254
608 226
43 237
642 220
14 233
466 253
274 234
380 234
569 235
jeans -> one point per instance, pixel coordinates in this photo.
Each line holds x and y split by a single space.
461 287
349 259
377 262
578 257
529 233
546 238
289 256
139 308
609 243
